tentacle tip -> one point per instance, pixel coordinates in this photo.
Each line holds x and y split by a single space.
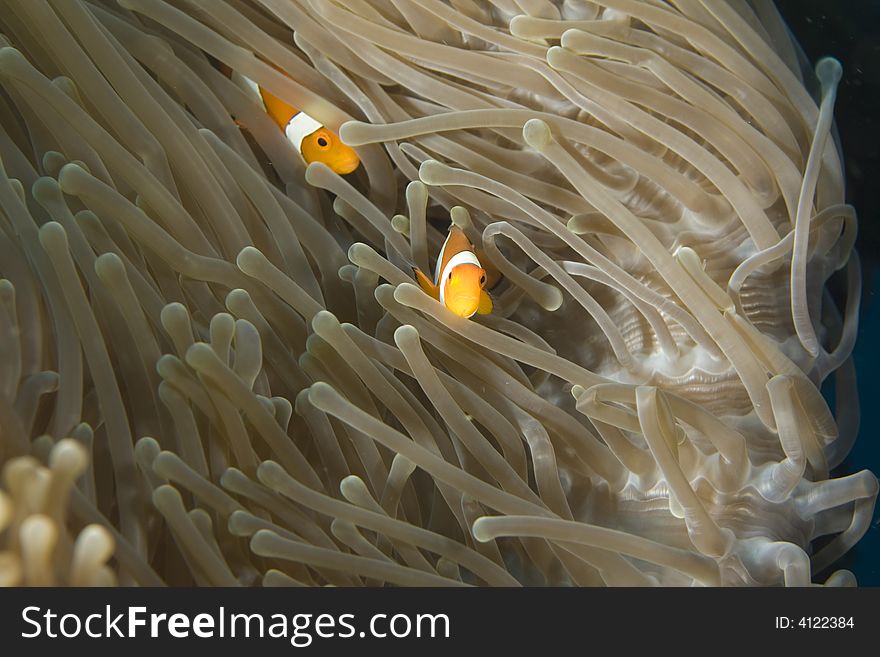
10 54
198 352
67 175
316 172
358 251
350 133
318 390
45 187
480 530
68 455
323 322
270 473
553 301
555 55
403 290
431 171
248 258
109 265
52 233
537 134
405 334
829 70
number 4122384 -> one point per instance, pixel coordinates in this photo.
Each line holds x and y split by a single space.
815 622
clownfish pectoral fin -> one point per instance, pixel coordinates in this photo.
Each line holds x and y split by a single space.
485 306
426 284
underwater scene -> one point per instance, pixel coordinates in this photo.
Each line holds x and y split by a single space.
850 32
439 293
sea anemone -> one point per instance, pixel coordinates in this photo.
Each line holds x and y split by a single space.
217 368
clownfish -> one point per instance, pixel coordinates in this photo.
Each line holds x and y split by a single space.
459 279
308 136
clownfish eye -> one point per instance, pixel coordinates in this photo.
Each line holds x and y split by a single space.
450 276
322 142
483 279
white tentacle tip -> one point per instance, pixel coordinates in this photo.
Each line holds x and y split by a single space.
481 529
537 134
431 172
829 70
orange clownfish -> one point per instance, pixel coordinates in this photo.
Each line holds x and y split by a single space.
459 278
309 137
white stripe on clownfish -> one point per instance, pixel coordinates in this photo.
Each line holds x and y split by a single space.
460 258
300 127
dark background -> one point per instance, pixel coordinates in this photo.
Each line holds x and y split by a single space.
849 30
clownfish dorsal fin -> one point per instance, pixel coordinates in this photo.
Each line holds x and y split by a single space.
248 86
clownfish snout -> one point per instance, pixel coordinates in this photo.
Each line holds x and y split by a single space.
464 305
463 289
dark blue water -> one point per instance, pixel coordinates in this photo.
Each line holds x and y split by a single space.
864 560
849 30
